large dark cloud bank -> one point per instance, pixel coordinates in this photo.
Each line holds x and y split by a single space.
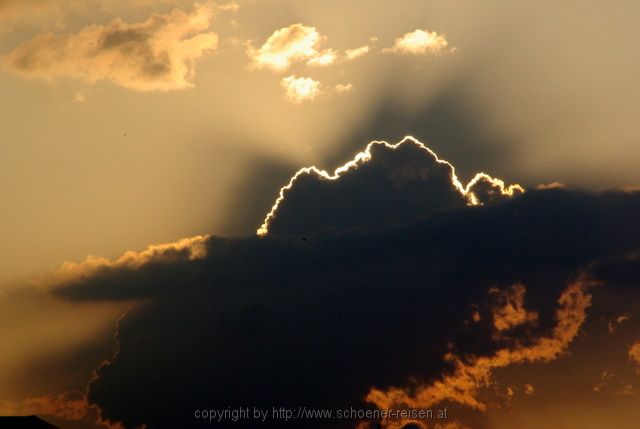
365 281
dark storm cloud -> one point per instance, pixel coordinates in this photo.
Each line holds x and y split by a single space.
281 321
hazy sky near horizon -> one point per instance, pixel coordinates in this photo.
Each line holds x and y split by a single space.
99 154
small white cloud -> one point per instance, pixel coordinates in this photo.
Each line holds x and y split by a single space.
299 89
352 54
420 42
325 58
343 88
285 46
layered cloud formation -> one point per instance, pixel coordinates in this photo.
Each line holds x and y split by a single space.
158 54
417 306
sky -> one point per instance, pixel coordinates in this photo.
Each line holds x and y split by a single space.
299 203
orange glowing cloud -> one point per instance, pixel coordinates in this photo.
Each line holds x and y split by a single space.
512 312
634 354
473 373
69 406
158 54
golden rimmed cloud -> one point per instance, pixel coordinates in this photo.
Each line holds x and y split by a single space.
480 190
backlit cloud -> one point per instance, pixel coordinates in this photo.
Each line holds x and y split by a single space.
269 320
158 54
221 328
420 42
409 172
299 89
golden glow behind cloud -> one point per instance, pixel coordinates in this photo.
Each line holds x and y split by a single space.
158 54
496 185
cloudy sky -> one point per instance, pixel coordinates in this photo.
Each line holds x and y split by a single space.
215 205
